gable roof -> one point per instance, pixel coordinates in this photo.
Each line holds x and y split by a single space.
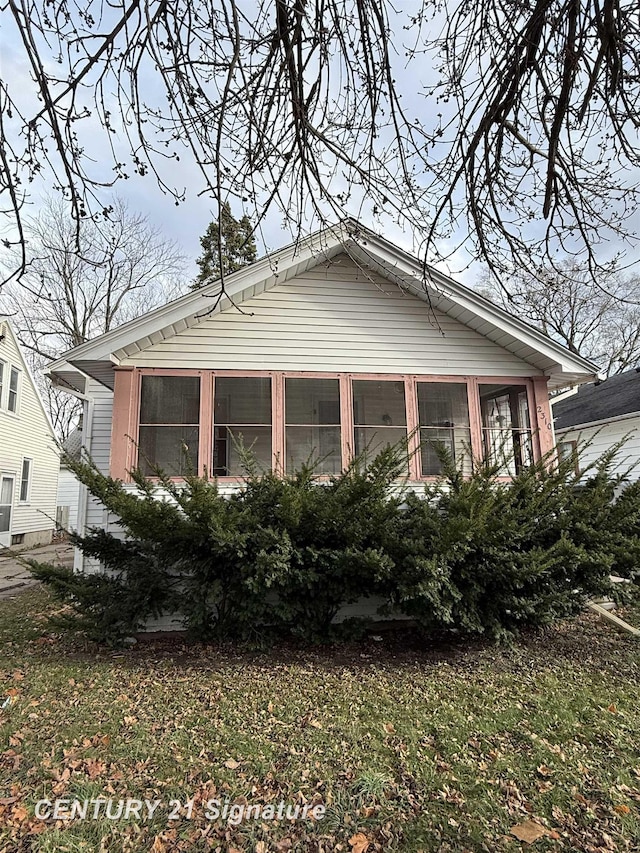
599 401
97 357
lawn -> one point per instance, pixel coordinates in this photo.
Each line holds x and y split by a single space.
408 746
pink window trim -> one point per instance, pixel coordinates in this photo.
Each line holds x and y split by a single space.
126 411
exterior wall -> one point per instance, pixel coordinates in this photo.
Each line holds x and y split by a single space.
334 318
603 437
27 433
68 496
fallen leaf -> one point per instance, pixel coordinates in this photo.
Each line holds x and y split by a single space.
231 764
260 847
6 801
389 728
359 842
543 770
20 814
612 709
95 768
529 831
622 809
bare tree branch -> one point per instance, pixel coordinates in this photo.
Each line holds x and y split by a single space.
509 130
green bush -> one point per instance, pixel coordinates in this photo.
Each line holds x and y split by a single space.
282 555
485 556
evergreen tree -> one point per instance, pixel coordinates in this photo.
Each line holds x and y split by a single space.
237 243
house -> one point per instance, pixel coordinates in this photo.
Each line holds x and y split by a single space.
68 485
29 459
337 344
592 418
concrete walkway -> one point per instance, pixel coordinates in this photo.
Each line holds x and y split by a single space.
15 577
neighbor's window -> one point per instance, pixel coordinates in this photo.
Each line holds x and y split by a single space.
569 450
312 424
379 415
12 404
25 480
506 426
443 415
241 418
169 424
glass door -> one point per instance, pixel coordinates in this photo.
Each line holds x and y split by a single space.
6 508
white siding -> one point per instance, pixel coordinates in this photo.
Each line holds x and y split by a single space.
27 433
602 438
334 318
100 445
68 495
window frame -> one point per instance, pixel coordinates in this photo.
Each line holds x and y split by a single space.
26 499
127 396
18 373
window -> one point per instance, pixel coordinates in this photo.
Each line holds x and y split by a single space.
443 416
12 403
169 424
187 422
25 480
379 415
569 450
506 426
242 419
312 424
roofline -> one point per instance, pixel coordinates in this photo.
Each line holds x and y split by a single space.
602 422
348 231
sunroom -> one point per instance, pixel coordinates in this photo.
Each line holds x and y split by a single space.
199 421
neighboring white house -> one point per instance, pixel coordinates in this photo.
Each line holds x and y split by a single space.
29 459
597 416
340 341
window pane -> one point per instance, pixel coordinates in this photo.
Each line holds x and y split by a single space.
312 401
226 448
24 482
170 400
369 441
443 411
312 424
13 390
506 426
242 400
172 448
317 445
242 418
379 403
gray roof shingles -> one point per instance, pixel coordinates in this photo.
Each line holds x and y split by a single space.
598 401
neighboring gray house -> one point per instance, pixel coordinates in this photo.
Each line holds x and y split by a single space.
601 413
68 486
29 458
